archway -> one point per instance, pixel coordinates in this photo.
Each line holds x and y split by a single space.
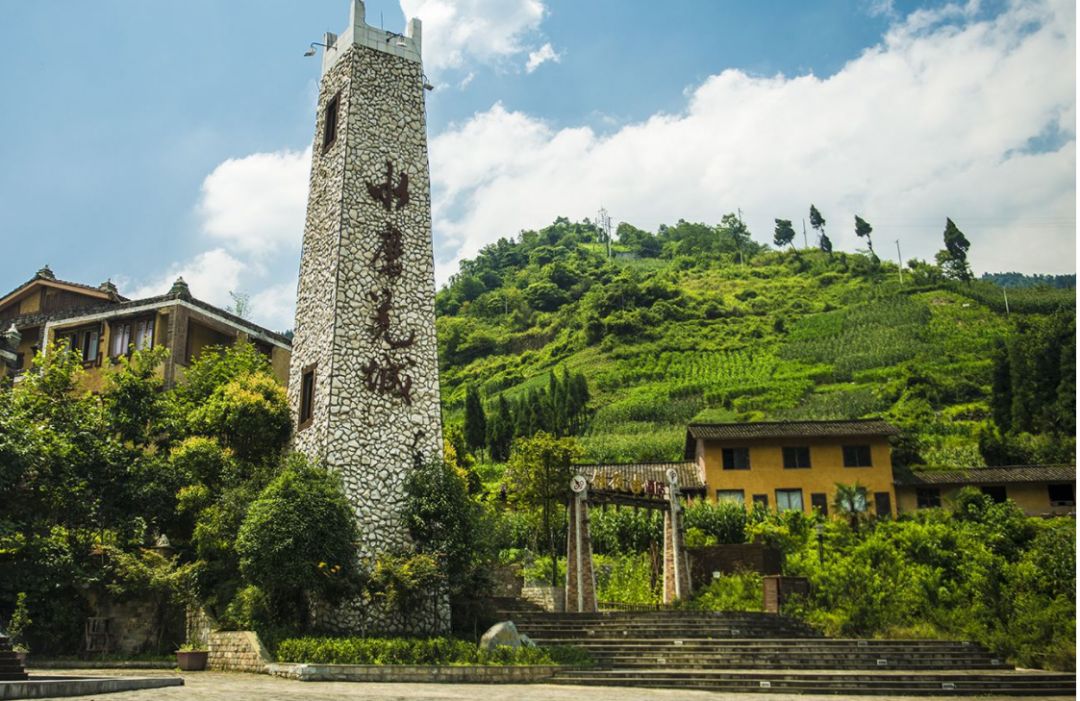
654 486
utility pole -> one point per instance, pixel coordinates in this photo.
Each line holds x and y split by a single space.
805 242
899 262
1006 294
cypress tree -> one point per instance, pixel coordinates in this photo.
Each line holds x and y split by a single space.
1001 396
475 420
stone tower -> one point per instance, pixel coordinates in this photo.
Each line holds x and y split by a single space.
363 383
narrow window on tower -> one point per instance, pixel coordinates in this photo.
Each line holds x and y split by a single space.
307 397
330 122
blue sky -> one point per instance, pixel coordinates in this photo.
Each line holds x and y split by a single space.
141 140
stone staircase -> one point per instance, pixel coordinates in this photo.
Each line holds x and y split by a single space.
768 653
10 668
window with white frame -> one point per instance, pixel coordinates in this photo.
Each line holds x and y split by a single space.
789 500
730 496
135 334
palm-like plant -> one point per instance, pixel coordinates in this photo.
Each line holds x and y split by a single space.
850 501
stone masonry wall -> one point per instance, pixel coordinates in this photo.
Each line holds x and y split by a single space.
237 651
365 315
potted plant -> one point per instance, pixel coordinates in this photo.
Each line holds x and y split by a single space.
20 621
191 657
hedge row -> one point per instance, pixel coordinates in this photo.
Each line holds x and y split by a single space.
433 651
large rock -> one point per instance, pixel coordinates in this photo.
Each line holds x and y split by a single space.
504 633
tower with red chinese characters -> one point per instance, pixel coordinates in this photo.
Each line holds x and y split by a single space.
363 383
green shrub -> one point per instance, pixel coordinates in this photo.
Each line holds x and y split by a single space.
741 591
420 651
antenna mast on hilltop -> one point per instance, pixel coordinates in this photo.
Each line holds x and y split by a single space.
603 223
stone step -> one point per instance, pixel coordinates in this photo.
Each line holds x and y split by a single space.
674 664
879 683
764 646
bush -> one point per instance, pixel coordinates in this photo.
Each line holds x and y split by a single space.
741 591
722 524
423 651
299 538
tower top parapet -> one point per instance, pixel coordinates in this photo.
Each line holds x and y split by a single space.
360 33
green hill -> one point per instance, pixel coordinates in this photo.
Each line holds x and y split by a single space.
699 323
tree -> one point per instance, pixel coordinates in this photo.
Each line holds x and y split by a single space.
539 473
850 502
501 431
953 259
784 234
817 223
249 414
298 539
476 424
241 304
863 230
445 522
1001 388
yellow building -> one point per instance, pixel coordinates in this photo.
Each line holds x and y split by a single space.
795 465
102 325
1040 490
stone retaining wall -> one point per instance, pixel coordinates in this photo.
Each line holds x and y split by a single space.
551 599
475 674
237 651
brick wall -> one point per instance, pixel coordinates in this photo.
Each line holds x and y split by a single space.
237 651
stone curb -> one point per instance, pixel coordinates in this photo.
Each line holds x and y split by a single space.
102 664
41 688
468 674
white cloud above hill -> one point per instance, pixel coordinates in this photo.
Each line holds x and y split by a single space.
947 116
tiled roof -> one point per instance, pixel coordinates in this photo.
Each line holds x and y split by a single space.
119 308
69 283
792 429
689 478
1013 474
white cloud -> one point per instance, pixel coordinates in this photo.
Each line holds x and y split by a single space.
457 32
542 55
935 121
210 276
884 8
274 306
253 208
256 203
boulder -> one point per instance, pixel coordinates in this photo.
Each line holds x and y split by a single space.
526 641
504 633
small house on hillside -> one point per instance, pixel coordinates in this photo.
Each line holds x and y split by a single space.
795 465
1040 490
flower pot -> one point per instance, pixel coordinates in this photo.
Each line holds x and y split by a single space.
192 661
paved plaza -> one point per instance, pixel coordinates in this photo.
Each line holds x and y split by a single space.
225 686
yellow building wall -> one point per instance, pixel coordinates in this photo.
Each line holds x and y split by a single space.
31 303
279 362
95 376
1032 497
199 336
767 472
26 347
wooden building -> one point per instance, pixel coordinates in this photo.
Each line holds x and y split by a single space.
102 325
